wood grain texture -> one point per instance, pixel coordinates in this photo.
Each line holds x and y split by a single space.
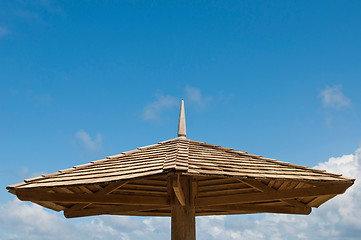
183 217
255 208
264 188
270 196
113 210
41 196
183 155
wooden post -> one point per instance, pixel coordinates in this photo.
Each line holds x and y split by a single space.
183 217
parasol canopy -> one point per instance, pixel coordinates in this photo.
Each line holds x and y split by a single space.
182 178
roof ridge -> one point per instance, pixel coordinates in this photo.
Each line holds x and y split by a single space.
182 157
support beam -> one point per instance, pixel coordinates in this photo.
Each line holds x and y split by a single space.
264 188
120 209
271 196
111 187
256 208
177 188
41 195
52 206
183 217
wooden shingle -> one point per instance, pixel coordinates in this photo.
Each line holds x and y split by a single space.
184 156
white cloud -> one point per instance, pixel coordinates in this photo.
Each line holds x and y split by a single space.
332 97
153 110
22 220
89 143
3 31
29 221
339 218
42 100
194 95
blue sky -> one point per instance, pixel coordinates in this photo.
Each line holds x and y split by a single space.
80 80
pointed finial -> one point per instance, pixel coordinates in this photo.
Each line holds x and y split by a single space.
182 122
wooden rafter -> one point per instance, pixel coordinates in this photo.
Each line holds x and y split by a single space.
271 196
256 208
52 206
116 209
264 188
26 195
111 187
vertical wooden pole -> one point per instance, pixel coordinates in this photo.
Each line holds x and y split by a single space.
183 217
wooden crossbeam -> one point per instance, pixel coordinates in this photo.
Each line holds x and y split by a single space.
147 214
256 208
214 213
272 195
50 205
113 210
177 188
39 195
264 188
111 187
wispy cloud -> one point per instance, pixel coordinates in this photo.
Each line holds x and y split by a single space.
332 97
4 31
22 220
37 222
42 99
190 94
88 142
195 95
153 110
51 6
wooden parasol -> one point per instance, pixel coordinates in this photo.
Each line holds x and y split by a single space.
183 179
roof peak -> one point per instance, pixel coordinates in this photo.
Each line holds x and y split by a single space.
182 121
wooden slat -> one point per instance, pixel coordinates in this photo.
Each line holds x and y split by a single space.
85 189
94 180
257 208
116 209
214 181
264 188
270 196
225 192
63 190
68 177
147 214
26 195
113 168
52 206
225 186
140 192
131 185
111 187
319 200
151 182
